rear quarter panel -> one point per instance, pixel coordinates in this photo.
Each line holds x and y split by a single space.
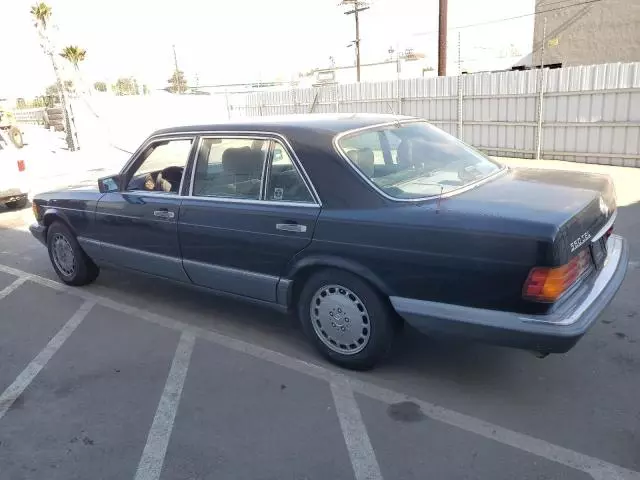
422 252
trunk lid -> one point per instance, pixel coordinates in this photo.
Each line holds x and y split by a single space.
565 208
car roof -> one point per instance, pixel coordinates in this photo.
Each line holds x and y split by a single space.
330 123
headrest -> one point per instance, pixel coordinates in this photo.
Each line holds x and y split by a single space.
242 161
405 153
365 161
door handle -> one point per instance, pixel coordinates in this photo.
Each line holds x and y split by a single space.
164 213
291 227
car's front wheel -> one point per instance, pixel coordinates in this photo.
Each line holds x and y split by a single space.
70 262
346 319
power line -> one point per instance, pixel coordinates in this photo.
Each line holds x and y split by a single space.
499 20
542 3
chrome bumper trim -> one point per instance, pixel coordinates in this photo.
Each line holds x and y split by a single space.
606 227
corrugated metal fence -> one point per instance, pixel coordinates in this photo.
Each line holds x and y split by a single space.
586 114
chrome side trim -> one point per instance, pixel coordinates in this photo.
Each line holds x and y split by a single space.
88 241
151 193
148 262
378 190
249 201
233 280
157 256
92 247
257 135
606 227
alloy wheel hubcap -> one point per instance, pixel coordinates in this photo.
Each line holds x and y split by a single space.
63 255
340 319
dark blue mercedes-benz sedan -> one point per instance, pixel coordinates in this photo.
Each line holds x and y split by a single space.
358 223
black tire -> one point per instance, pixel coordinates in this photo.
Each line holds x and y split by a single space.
16 137
84 271
17 204
381 320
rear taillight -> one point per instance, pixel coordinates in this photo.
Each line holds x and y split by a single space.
608 233
21 166
545 284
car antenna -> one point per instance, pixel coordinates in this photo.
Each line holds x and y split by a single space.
439 199
391 111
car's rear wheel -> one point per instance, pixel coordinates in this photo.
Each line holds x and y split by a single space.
17 204
70 262
346 319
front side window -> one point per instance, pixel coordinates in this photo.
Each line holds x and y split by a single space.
230 167
415 160
162 167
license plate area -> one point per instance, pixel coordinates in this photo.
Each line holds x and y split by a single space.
599 252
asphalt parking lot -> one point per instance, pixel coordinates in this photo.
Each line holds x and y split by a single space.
134 378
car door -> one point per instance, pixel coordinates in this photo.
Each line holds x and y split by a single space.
250 210
137 225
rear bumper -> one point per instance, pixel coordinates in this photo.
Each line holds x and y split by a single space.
39 231
553 333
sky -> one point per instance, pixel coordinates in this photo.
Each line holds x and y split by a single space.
243 41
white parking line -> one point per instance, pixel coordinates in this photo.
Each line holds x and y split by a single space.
19 385
363 458
10 288
597 468
150 466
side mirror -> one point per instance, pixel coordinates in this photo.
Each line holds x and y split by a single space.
109 184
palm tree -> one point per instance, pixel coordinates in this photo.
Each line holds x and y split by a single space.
74 55
41 13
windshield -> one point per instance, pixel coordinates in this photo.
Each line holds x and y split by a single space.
415 160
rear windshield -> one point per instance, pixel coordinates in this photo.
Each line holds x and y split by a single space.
415 160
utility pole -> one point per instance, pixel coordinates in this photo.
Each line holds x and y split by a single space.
358 6
541 92
442 39
175 73
459 88
175 57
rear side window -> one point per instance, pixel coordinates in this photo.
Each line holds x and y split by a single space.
230 167
249 169
284 183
